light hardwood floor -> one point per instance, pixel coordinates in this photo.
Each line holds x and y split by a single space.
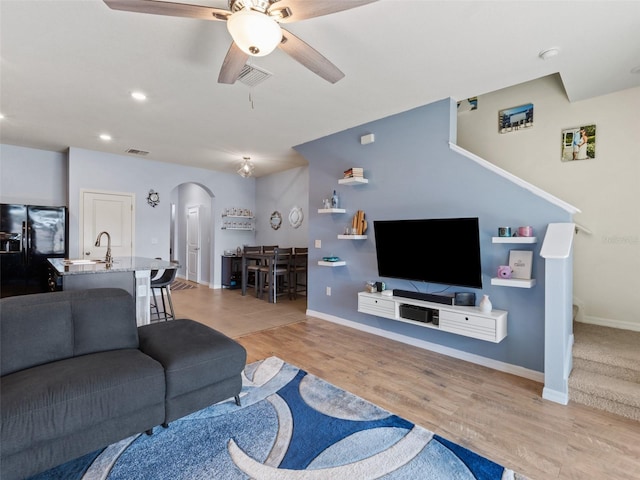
495 414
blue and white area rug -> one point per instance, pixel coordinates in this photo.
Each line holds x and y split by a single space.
291 426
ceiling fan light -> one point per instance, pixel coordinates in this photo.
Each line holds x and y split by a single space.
255 33
246 168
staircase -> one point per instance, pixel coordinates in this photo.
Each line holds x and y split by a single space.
606 369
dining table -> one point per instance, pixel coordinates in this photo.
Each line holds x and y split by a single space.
264 258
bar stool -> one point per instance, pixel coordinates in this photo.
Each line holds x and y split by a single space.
298 266
163 283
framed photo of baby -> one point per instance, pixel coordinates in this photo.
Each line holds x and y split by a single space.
579 143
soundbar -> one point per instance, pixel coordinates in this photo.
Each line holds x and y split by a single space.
443 298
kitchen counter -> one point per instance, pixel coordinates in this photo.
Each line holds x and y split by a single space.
120 264
132 274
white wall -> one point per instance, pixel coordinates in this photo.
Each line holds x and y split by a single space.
103 171
32 177
605 189
281 192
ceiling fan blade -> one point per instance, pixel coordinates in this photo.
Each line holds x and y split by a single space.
232 64
169 8
309 57
296 10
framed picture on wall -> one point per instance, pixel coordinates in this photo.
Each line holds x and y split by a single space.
515 118
578 143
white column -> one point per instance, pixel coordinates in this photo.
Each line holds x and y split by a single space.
143 296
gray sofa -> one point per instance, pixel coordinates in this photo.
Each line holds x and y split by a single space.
77 374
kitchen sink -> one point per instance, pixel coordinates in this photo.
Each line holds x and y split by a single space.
83 261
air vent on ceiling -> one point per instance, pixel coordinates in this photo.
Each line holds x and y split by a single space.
135 151
252 75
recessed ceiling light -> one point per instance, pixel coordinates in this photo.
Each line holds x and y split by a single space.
548 53
105 136
138 96
635 69
1 116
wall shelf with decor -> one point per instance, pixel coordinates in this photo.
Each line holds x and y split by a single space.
339 263
238 221
246 229
514 282
353 181
514 239
352 237
332 210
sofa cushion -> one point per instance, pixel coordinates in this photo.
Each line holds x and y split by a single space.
46 327
104 319
32 335
193 355
56 399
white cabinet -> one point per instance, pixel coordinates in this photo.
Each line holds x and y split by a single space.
466 321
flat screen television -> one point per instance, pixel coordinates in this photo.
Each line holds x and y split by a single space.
440 250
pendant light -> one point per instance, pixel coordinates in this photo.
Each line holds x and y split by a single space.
246 168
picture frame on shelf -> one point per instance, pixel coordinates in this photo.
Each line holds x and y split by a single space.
521 262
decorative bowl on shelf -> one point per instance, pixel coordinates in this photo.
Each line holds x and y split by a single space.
331 259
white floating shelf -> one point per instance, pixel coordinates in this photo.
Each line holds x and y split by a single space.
353 181
340 263
352 237
332 210
514 240
514 282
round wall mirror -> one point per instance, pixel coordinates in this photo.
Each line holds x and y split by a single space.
275 220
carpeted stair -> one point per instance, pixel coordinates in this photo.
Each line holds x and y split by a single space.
606 369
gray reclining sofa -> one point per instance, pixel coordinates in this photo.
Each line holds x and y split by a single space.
77 374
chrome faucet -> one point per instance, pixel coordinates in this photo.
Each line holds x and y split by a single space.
107 257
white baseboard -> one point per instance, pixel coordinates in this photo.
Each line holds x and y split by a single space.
609 322
555 396
434 347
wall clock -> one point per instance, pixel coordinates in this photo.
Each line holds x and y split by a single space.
153 198
275 220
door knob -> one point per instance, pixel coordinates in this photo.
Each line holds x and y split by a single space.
87 253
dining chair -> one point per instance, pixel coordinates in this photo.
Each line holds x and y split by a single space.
276 271
297 267
253 267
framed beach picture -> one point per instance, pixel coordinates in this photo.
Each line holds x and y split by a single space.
515 118
579 143
520 262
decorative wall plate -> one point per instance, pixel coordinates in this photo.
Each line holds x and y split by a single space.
153 198
295 217
275 220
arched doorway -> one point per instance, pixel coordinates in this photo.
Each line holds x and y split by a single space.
185 198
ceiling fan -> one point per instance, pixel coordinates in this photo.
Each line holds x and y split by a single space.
255 28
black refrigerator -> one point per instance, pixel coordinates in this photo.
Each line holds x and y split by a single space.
30 234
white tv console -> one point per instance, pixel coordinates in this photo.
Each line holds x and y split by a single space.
467 321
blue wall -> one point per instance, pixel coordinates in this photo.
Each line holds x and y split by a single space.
413 173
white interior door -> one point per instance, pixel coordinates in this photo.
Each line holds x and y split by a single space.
107 212
193 244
